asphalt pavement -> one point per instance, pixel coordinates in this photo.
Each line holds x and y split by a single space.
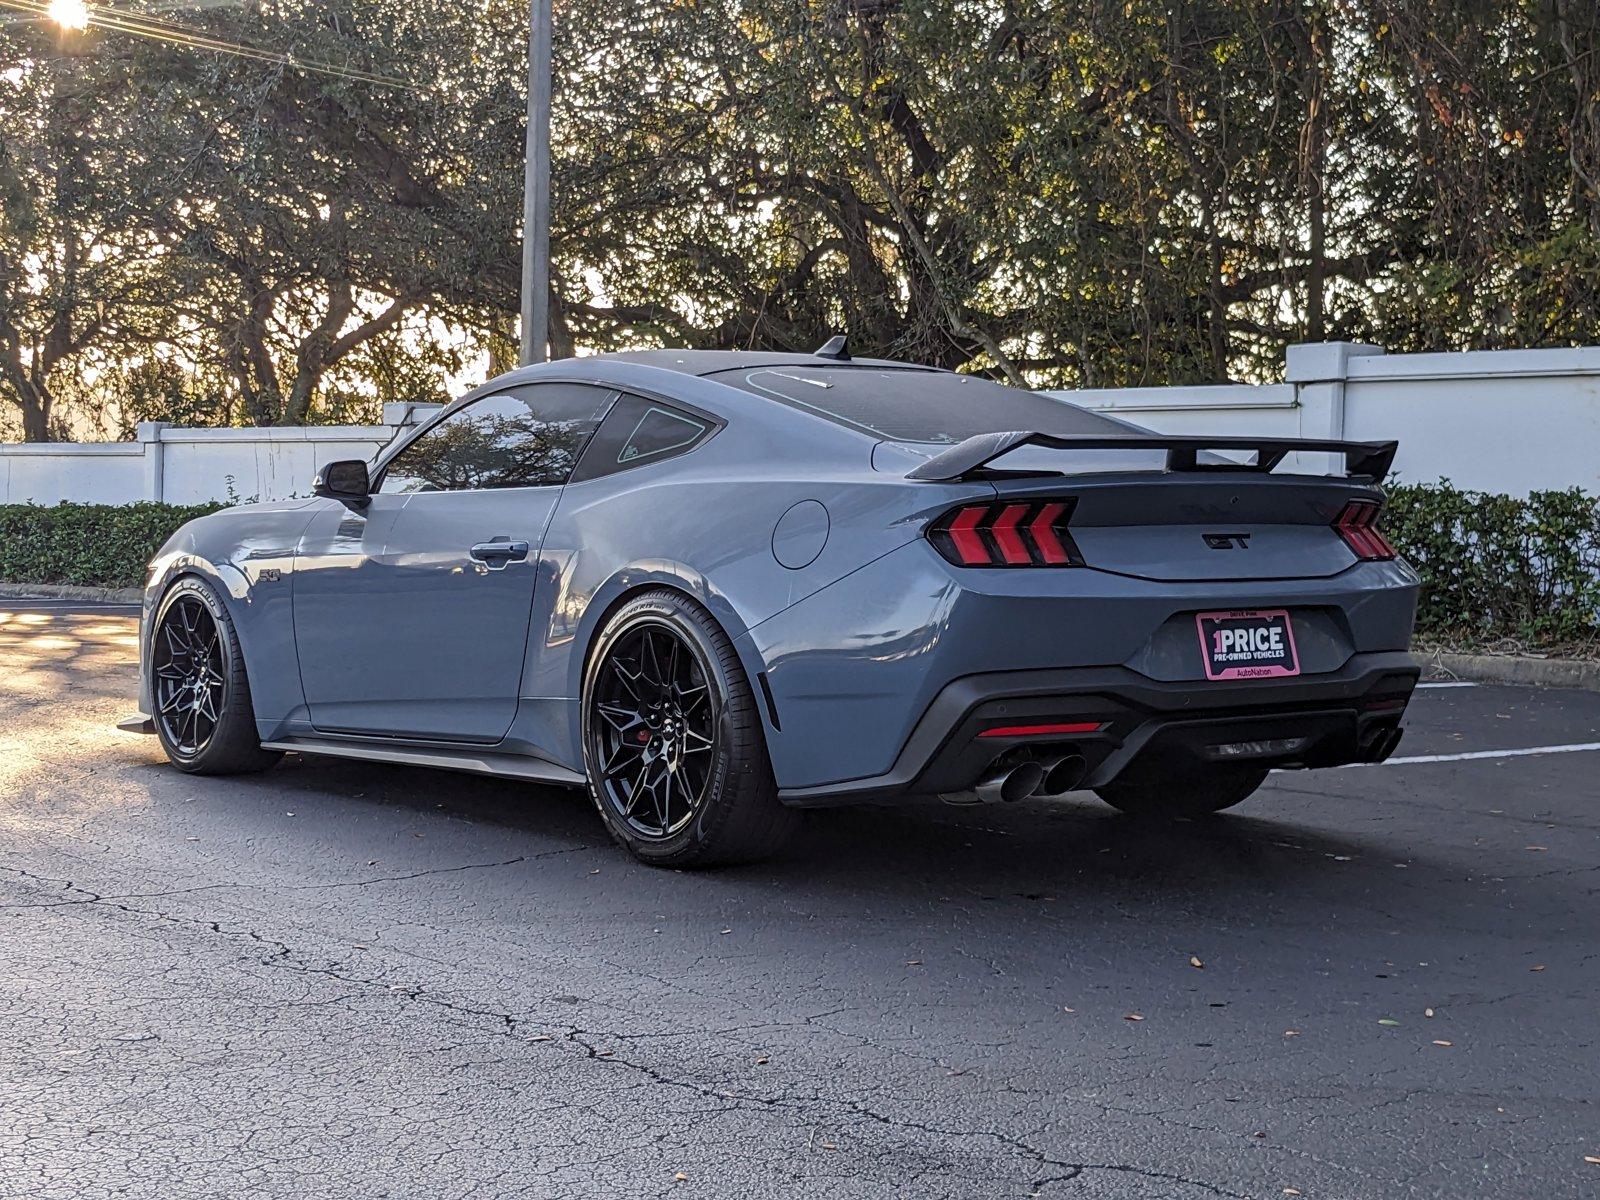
343 980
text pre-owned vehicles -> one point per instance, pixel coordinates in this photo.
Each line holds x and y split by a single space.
715 587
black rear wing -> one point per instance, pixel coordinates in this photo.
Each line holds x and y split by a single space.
1369 461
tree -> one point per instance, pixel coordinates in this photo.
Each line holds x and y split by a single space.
1082 192
75 269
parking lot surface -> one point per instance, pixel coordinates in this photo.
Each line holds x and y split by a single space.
342 980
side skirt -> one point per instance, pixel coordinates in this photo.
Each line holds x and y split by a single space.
475 760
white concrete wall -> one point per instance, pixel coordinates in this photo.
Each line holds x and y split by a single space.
90 474
1498 421
191 466
1493 420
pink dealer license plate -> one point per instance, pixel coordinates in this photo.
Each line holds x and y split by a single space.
1247 644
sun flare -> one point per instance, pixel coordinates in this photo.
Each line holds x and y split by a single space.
70 14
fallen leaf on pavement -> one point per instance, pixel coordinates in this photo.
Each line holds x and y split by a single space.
1194 961
762 1061
1540 967
1387 1021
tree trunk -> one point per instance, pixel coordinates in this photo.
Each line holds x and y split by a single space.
1217 305
36 404
32 395
1578 29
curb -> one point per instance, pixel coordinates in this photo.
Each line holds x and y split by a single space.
1510 668
68 591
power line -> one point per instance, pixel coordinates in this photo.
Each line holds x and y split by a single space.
172 33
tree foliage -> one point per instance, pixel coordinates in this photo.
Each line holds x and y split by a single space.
1078 192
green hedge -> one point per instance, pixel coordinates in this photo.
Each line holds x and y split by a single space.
97 545
1496 567
1493 566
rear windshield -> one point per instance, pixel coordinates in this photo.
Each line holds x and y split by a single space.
916 406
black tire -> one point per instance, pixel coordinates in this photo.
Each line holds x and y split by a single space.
665 796
1194 792
198 689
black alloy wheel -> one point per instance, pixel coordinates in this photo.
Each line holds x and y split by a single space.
653 724
189 676
199 692
673 744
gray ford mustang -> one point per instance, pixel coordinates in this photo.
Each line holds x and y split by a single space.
718 587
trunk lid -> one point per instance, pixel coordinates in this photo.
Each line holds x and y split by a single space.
1180 528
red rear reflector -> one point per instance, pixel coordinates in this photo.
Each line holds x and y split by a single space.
1009 731
1357 524
1021 533
1385 704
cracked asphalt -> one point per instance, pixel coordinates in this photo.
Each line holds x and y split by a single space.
341 980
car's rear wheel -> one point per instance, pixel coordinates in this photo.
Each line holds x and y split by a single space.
673 746
1191 792
198 689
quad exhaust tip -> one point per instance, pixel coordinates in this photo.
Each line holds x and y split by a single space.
1063 775
1382 744
1006 783
1009 784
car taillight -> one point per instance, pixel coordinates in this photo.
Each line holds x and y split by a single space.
1007 533
1357 524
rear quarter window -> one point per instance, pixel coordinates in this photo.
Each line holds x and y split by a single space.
639 431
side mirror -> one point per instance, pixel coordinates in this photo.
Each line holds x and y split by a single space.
345 481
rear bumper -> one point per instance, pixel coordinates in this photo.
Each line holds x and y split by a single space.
1310 721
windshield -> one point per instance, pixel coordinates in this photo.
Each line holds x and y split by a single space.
916 406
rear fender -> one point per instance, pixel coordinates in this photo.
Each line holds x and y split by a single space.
560 651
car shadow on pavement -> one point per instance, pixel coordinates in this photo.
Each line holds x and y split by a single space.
915 851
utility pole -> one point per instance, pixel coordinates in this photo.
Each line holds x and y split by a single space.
536 192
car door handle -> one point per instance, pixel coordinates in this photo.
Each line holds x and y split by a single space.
497 553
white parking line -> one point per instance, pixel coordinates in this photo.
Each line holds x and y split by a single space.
1420 686
1572 748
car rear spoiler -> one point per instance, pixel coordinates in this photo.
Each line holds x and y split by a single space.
965 460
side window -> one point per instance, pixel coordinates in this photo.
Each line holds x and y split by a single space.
530 436
638 431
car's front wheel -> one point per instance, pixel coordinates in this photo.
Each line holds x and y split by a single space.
673 745
1193 792
198 689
